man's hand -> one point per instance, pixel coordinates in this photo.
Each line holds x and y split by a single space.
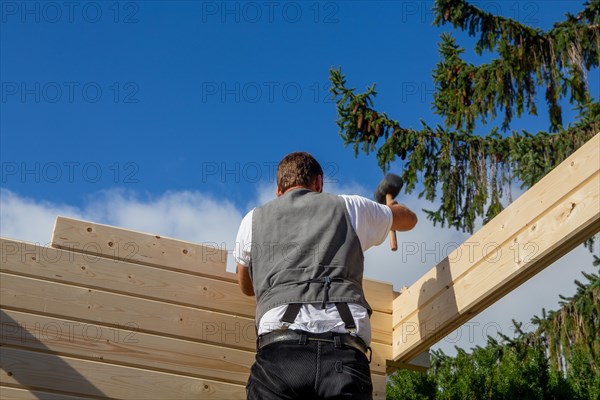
244 280
403 218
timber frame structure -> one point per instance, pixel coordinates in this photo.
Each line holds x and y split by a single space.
105 312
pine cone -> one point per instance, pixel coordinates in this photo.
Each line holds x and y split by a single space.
377 130
360 120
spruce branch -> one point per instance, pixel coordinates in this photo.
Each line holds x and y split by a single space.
472 174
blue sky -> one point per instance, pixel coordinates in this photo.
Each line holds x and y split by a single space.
190 95
171 116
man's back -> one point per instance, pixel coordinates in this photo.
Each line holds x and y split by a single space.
300 240
302 255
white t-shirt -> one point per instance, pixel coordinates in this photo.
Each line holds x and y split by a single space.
371 222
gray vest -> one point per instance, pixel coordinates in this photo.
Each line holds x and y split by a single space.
304 250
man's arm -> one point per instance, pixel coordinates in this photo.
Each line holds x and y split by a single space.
244 280
403 219
243 255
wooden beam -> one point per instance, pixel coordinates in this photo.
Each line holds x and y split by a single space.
32 375
379 387
555 215
124 347
58 265
420 363
72 376
380 295
14 393
62 266
125 312
139 315
108 242
142 248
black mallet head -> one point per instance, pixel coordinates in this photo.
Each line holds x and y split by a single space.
391 184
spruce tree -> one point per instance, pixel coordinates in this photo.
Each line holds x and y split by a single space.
472 171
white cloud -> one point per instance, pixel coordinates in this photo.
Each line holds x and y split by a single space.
186 215
264 194
30 220
190 216
200 218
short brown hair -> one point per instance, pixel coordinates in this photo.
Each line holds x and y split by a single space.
297 169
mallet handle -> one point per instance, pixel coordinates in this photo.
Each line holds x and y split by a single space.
393 240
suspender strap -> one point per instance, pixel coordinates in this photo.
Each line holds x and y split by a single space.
326 282
291 313
326 286
346 315
293 309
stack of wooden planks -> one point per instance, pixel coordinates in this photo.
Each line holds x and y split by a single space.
109 312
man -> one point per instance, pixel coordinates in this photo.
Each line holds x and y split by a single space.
302 255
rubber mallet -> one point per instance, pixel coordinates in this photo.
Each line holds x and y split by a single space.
386 192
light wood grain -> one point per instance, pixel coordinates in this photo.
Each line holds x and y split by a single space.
40 371
97 306
566 177
12 393
19 393
143 248
124 277
118 346
379 295
381 327
379 386
447 296
103 241
140 315
143 281
109 345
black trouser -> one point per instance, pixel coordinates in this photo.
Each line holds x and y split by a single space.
315 370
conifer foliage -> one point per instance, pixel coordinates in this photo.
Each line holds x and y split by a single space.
469 170
558 359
